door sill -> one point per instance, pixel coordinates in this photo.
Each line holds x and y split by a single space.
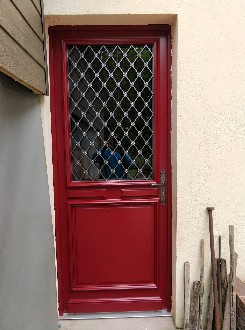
94 316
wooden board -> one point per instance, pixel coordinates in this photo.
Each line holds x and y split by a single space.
187 295
232 278
37 4
210 307
240 304
227 318
224 287
201 285
194 306
240 310
17 63
31 15
20 31
240 288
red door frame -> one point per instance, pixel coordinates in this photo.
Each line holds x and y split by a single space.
114 32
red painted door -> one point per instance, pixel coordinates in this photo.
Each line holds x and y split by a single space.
111 131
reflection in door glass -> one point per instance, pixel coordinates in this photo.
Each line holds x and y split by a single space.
111 112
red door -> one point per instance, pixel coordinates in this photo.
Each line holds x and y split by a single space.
111 131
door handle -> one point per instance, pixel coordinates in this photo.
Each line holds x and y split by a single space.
162 185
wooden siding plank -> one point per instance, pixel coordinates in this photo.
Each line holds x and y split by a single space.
13 23
44 48
37 4
15 62
29 12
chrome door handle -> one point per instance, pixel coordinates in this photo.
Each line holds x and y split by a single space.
162 186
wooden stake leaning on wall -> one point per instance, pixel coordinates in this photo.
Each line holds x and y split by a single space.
194 306
227 315
232 278
224 286
216 303
219 281
201 285
210 307
240 304
227 309
187 295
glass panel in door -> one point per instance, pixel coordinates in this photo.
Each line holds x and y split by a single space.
111 112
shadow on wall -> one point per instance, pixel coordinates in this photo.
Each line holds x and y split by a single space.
27 262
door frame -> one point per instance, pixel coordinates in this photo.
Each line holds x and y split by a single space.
116 31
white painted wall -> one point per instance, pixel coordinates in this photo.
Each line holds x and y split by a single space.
208 117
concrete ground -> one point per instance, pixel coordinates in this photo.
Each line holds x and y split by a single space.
143 323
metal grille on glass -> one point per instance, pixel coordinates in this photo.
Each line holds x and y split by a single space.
111 112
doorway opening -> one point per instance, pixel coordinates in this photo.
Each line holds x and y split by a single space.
110 111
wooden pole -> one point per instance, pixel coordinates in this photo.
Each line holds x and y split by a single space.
227 310
232 278
216 303
218 267
201 285
219 275
227 315
210 307
187 295
224 286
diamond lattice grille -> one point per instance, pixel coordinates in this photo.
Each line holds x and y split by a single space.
111 116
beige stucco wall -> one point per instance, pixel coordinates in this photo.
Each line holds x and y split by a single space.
208 117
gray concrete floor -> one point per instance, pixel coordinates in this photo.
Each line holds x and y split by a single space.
143 323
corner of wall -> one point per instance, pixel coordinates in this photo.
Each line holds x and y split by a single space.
174 32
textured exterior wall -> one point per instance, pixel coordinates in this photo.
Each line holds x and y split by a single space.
208 117
27 271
